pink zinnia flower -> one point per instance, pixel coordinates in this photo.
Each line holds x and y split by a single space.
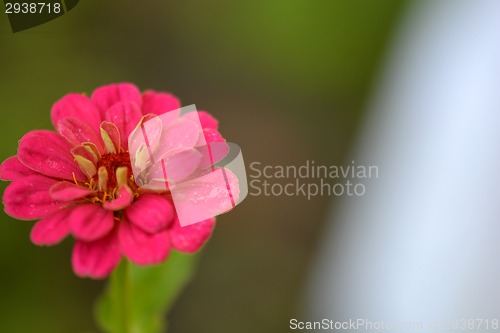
79 181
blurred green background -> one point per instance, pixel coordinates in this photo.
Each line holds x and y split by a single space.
288 81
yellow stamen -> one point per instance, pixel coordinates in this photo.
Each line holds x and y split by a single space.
102 179
121 176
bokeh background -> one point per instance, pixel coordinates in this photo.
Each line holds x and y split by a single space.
288 80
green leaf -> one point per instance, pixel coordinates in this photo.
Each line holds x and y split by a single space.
137 299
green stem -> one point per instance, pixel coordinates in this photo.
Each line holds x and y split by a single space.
122 281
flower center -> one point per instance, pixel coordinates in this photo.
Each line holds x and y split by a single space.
113 161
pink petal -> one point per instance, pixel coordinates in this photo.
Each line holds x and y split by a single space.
207 121
53 136
86 153
52 229
93 148
90 221
110 136
182 133
107 96
159 103
77 106
28 198
77 132
12 169
178 164
123 199
49 154
96 259
212 135
191 238
151 130
66 191
212 153
143 140
175 166
88 167
151 212
140 247
126 116
208 194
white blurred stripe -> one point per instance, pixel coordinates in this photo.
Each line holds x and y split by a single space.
423 244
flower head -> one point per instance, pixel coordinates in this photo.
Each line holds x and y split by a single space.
79 181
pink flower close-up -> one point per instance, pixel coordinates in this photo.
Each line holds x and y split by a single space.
78 181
